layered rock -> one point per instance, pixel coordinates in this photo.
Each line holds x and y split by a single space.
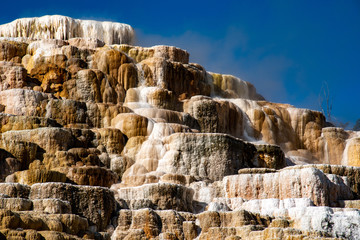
168 52
162 196
322 189
269 156
12 51
228 86
100 139
83 200
216 116
209 156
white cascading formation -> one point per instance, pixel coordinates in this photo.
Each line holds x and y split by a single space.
64 28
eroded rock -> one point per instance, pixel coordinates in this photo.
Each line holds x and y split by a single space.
162 195
205 155
97 204
168 138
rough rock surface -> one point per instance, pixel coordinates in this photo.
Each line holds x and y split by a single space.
291 182
101 139
205 155
161 195
95 203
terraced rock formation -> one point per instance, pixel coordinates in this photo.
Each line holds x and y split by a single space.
100 139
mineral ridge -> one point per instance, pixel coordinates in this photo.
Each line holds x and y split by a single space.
100 139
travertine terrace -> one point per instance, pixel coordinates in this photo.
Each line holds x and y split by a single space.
101 139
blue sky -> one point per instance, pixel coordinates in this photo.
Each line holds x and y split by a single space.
287 49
